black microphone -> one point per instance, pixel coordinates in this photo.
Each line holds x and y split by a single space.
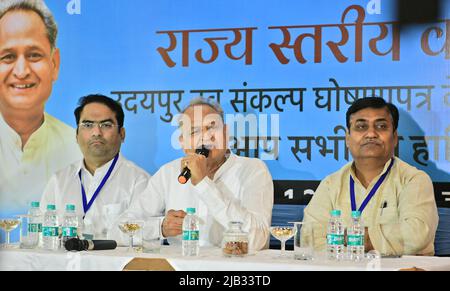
76 244
185 174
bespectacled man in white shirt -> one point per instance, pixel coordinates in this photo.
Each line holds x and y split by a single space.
223 187
102 184
33 144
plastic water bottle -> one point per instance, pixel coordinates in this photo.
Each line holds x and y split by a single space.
69 224
50 229
190 244
355 238
335 237
35 217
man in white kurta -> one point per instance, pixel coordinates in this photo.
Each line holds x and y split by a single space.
241 190
223 187
100 134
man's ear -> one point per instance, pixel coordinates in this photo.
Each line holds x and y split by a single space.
181 141
56 61
347 136
226 136
396 138
122 134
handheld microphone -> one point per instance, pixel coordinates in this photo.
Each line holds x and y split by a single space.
76 244
185 174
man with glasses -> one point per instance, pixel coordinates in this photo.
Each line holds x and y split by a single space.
102 184
396 200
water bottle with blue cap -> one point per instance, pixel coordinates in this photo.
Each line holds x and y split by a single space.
70 224
335 237
190 240
50 229
355 238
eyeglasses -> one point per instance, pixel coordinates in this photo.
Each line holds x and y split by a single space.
89 125
211 128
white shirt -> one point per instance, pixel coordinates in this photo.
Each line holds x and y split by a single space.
125 180
24 174
242 190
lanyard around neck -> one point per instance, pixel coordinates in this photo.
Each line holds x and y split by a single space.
86 205
371 193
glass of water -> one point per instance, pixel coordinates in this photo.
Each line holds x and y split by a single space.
29 232
303 241
151 242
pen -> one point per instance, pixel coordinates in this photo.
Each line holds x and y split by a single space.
383 207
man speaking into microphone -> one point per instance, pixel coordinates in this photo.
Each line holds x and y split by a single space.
221 186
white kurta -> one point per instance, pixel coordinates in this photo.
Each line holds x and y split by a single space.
24 174
125 181
242 190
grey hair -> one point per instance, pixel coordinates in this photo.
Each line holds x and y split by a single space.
203 101
37 6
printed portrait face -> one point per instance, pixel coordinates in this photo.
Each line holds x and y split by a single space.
28 65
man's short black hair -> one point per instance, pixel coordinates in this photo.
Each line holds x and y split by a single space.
115 106
373 102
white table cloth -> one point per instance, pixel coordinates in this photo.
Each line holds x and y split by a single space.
210 259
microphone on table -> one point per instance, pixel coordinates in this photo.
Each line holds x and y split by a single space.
76 244
185 174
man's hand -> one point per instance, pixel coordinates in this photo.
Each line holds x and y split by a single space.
173 223
197 165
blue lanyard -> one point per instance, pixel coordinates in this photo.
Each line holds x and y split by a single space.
371 193
86 205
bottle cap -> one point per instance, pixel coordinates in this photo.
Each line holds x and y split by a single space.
51 207
35 204
190 210
356 214
335 212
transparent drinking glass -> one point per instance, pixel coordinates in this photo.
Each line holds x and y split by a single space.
8 225
303 241
131 228
282 233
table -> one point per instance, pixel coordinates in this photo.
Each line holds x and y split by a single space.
210 259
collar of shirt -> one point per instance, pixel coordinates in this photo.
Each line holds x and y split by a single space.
230 157
353 174
91 182
13 140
